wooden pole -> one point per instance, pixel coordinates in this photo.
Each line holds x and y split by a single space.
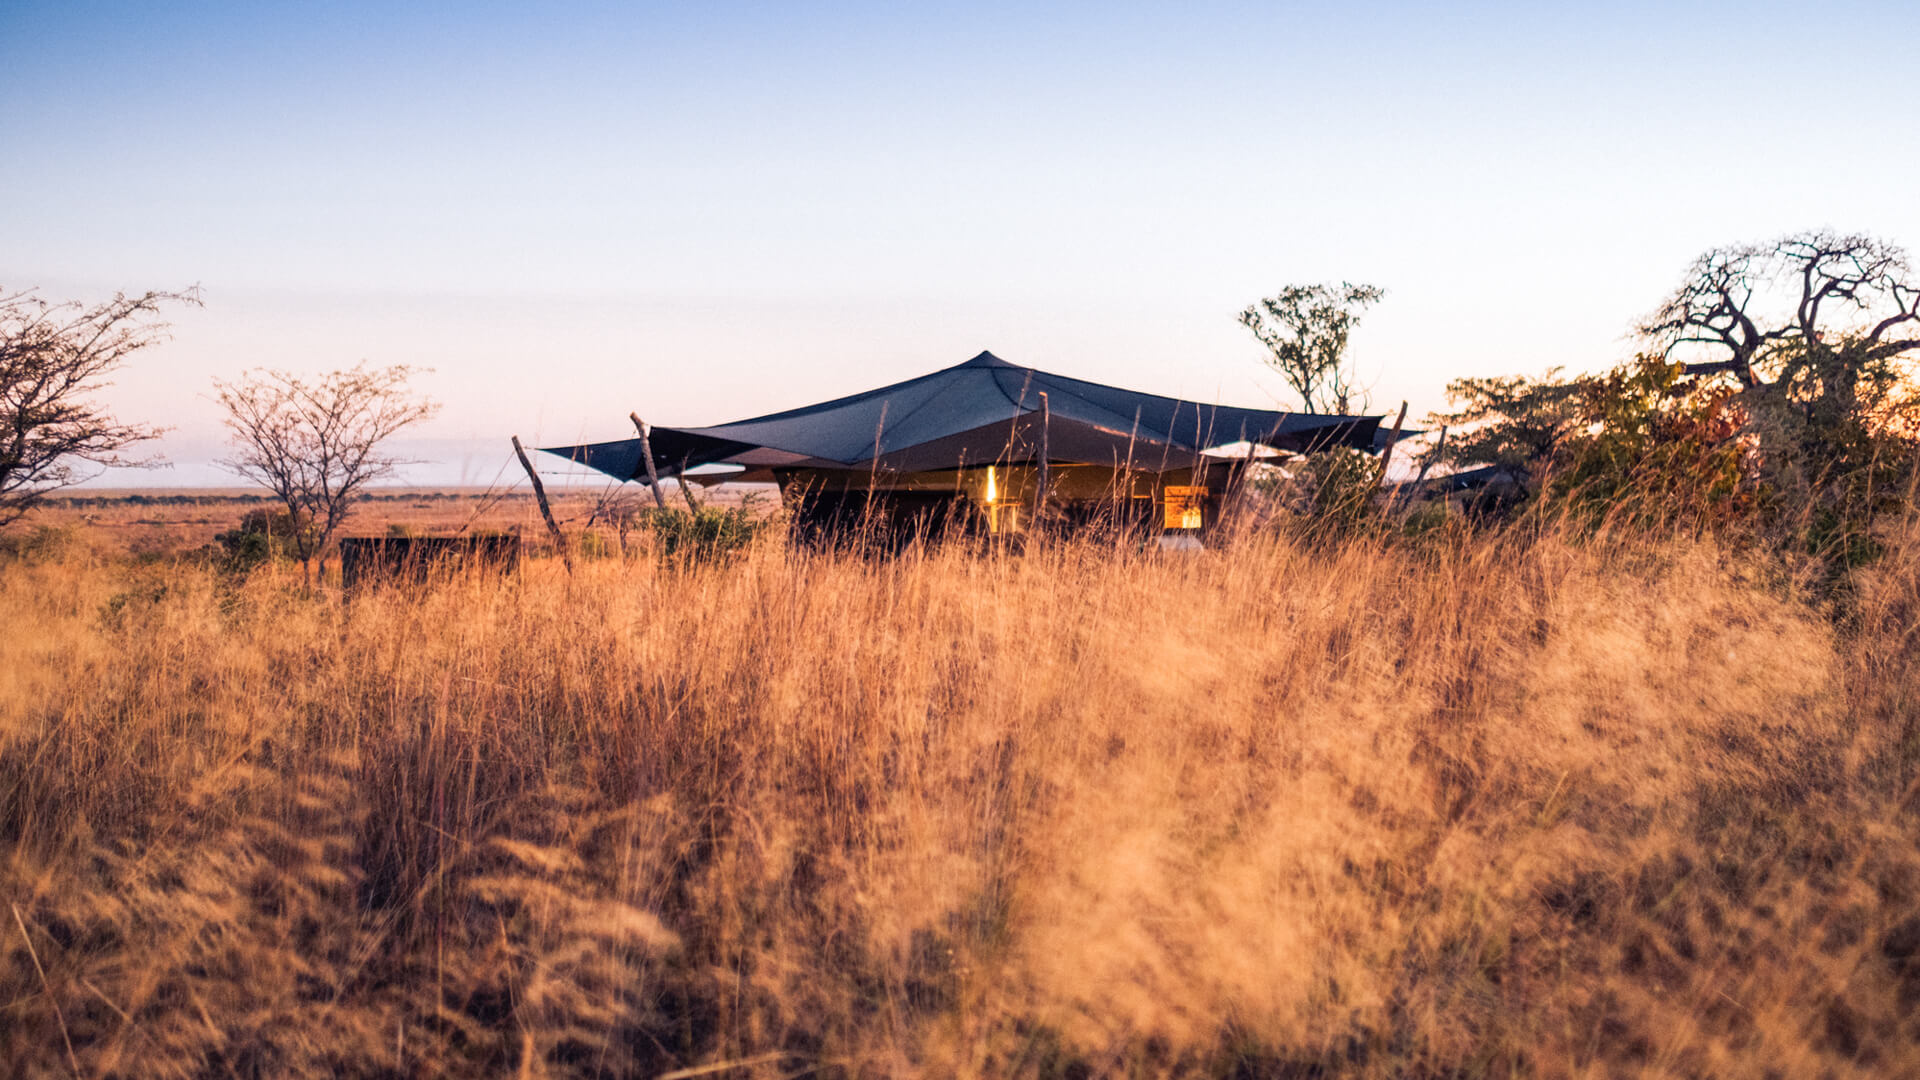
1040 491
646 455
1123 484
1439 448
1241 497
540 496
1386 452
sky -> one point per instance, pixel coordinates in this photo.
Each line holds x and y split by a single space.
709 211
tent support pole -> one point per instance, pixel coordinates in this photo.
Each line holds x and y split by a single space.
646 455
1440 448
1386 452
1240 496
1040 491
540 496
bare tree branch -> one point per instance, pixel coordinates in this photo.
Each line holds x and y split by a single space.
315 444
53 357
1827 302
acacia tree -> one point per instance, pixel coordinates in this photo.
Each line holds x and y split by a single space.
53 358
1512 421
315 444
1305 330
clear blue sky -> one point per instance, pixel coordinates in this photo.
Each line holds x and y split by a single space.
704 212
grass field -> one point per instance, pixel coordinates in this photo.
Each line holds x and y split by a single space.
1474 806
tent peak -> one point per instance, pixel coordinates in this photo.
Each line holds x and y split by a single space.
988 360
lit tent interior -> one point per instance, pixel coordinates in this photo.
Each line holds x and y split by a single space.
970 437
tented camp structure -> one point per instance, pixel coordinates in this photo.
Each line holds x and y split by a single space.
974 444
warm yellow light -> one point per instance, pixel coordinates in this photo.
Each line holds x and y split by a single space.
993 491
1185 507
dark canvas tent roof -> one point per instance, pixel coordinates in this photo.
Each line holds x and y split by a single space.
980 412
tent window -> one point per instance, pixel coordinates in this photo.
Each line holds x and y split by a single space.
1186 508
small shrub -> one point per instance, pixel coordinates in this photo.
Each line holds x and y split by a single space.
704 536
1426 518
42 543
1332 493
592 544
263 535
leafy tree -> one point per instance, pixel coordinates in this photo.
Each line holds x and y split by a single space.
1775 391
1517 423
53 358
316 444
1305 329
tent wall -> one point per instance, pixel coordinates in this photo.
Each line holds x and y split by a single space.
1078 494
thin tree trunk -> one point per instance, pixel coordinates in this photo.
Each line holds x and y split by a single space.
687 490
540 496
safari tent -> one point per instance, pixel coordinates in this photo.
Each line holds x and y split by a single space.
973 444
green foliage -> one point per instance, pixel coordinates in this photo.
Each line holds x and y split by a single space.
1305 328
1340 488
1641 444
1426 519
1652 449
263 535
593 544
1808 465
1328 494
1510 421
711 533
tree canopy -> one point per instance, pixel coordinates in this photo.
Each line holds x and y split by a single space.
1305 329
54 357
315 443
1819 317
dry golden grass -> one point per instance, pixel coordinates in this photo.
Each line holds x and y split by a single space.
1480 807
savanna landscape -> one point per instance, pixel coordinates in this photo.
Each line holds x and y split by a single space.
1217 541
1584 744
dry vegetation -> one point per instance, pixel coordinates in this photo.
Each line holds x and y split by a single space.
173 521
1476 806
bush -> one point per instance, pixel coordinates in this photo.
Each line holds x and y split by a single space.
1653 450
708 534
1328 493
42 543
263 535
1647 448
